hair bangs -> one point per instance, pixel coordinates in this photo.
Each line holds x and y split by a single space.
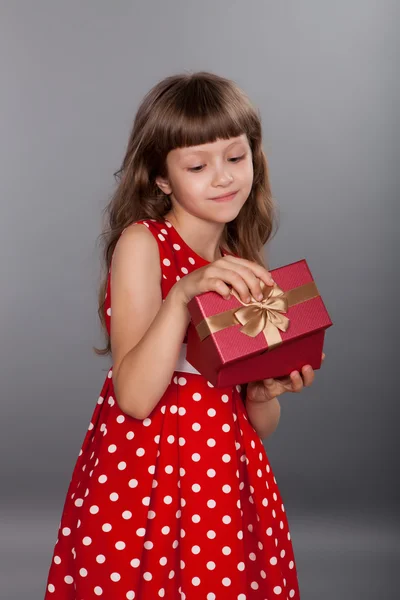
204 111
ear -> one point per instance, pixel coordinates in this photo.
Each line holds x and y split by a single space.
164 185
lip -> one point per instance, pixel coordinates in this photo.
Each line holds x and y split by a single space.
225 197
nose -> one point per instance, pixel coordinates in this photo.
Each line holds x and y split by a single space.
222 176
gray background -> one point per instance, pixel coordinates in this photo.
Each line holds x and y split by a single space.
323 75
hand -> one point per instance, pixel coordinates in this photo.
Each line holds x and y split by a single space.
267 389
243 275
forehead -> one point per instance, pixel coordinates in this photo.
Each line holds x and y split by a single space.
211 147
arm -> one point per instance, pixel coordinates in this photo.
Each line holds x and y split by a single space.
146 333
264 416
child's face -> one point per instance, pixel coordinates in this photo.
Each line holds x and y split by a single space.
198 174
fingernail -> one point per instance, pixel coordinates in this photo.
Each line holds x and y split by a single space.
260 297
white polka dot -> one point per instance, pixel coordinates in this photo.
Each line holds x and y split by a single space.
161 592
140 452
100 400
196 457
166 262
269 531
241 566
122 465
226 458
225 398
211 412
130 435
195 549
196 426
169 469
83 572
211 534
120 545
226 581
167 499
147 576
173 409
254 585
78 502
226 550
291 564
273 560
51 588
152 469
291 593
211 504
130 595
68 579
57 560
170 439
211 442
192 262
226 427
87 540
277 590
148 545
98 590
151 514
106 527
196 488
182 441
182 381
241 597
146 501
211 565
133 483
102 479
66 531
226 519
165 530
120 419
196 396
140 532
181 411
114 497
94 509
100 558
211 473
196 581
135 562
252 556
226 489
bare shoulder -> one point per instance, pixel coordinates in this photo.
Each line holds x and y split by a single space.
136 243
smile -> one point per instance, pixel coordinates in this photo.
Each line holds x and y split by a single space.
225 198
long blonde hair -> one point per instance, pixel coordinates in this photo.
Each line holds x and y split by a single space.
179 111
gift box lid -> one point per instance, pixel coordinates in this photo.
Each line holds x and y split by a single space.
305 317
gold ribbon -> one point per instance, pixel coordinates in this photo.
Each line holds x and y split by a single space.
266 315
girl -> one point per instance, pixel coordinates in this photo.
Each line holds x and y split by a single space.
172 495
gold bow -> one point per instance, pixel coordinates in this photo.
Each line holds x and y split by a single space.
265 315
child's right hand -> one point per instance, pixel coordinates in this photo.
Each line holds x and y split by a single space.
242 274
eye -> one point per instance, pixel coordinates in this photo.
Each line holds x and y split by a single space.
237 158
196 169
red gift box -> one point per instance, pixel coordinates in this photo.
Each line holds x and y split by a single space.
232 343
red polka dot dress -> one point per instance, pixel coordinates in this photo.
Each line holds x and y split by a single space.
182 505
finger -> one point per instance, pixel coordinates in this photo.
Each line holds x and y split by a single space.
232 278
257 269
297 381
323 356
308 374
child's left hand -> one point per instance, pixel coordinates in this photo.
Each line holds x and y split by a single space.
267 389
